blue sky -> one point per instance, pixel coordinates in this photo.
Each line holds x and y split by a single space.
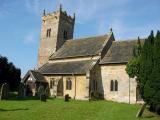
20 23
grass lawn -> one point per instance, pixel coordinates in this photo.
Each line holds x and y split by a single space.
57 109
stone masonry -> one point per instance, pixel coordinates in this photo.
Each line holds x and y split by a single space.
54 27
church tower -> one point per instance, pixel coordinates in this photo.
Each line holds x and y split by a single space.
56 28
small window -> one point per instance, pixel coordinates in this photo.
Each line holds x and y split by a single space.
116 85
112 85
52 82
48 32
68 84
65 35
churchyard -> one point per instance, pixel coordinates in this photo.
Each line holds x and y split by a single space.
58 109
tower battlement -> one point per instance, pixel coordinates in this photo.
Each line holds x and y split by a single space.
57 27
59 13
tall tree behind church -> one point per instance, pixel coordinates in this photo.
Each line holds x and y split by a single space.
145 66
9 73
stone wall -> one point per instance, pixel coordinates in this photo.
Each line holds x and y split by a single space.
79 86
57 22
117 72
47 45
95 76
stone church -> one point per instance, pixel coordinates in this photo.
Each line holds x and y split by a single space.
85 68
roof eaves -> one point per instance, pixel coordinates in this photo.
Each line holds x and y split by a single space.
63 73
89 55
106 63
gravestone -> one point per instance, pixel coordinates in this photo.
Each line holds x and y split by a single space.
21 90
67 98
4 92
47 91
41 93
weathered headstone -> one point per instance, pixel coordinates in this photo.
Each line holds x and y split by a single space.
21 90
41 93
47 91
67 98
4 92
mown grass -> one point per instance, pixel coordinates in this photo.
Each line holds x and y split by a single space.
57 109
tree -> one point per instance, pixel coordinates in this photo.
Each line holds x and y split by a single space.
9 73
152 86
145 66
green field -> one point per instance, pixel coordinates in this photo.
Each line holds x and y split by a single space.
57 109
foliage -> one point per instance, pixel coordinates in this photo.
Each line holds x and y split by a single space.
145 66
9 73
57 109
133 66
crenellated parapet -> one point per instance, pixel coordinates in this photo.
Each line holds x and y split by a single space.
59 14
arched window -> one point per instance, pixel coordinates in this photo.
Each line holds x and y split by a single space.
68 84
65 35
112 85
116 85
52 82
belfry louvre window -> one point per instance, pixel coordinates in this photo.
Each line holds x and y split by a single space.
68 84
48 32
65 35
114 85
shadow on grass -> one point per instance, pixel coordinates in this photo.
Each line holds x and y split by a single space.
15 98
148 114
23 98
4 110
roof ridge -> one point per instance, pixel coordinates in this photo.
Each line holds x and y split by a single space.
84 38
128 40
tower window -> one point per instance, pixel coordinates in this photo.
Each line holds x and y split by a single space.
68 84
48 32
65 35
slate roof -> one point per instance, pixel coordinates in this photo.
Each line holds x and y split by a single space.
119 52
37 76
80 47
73 67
